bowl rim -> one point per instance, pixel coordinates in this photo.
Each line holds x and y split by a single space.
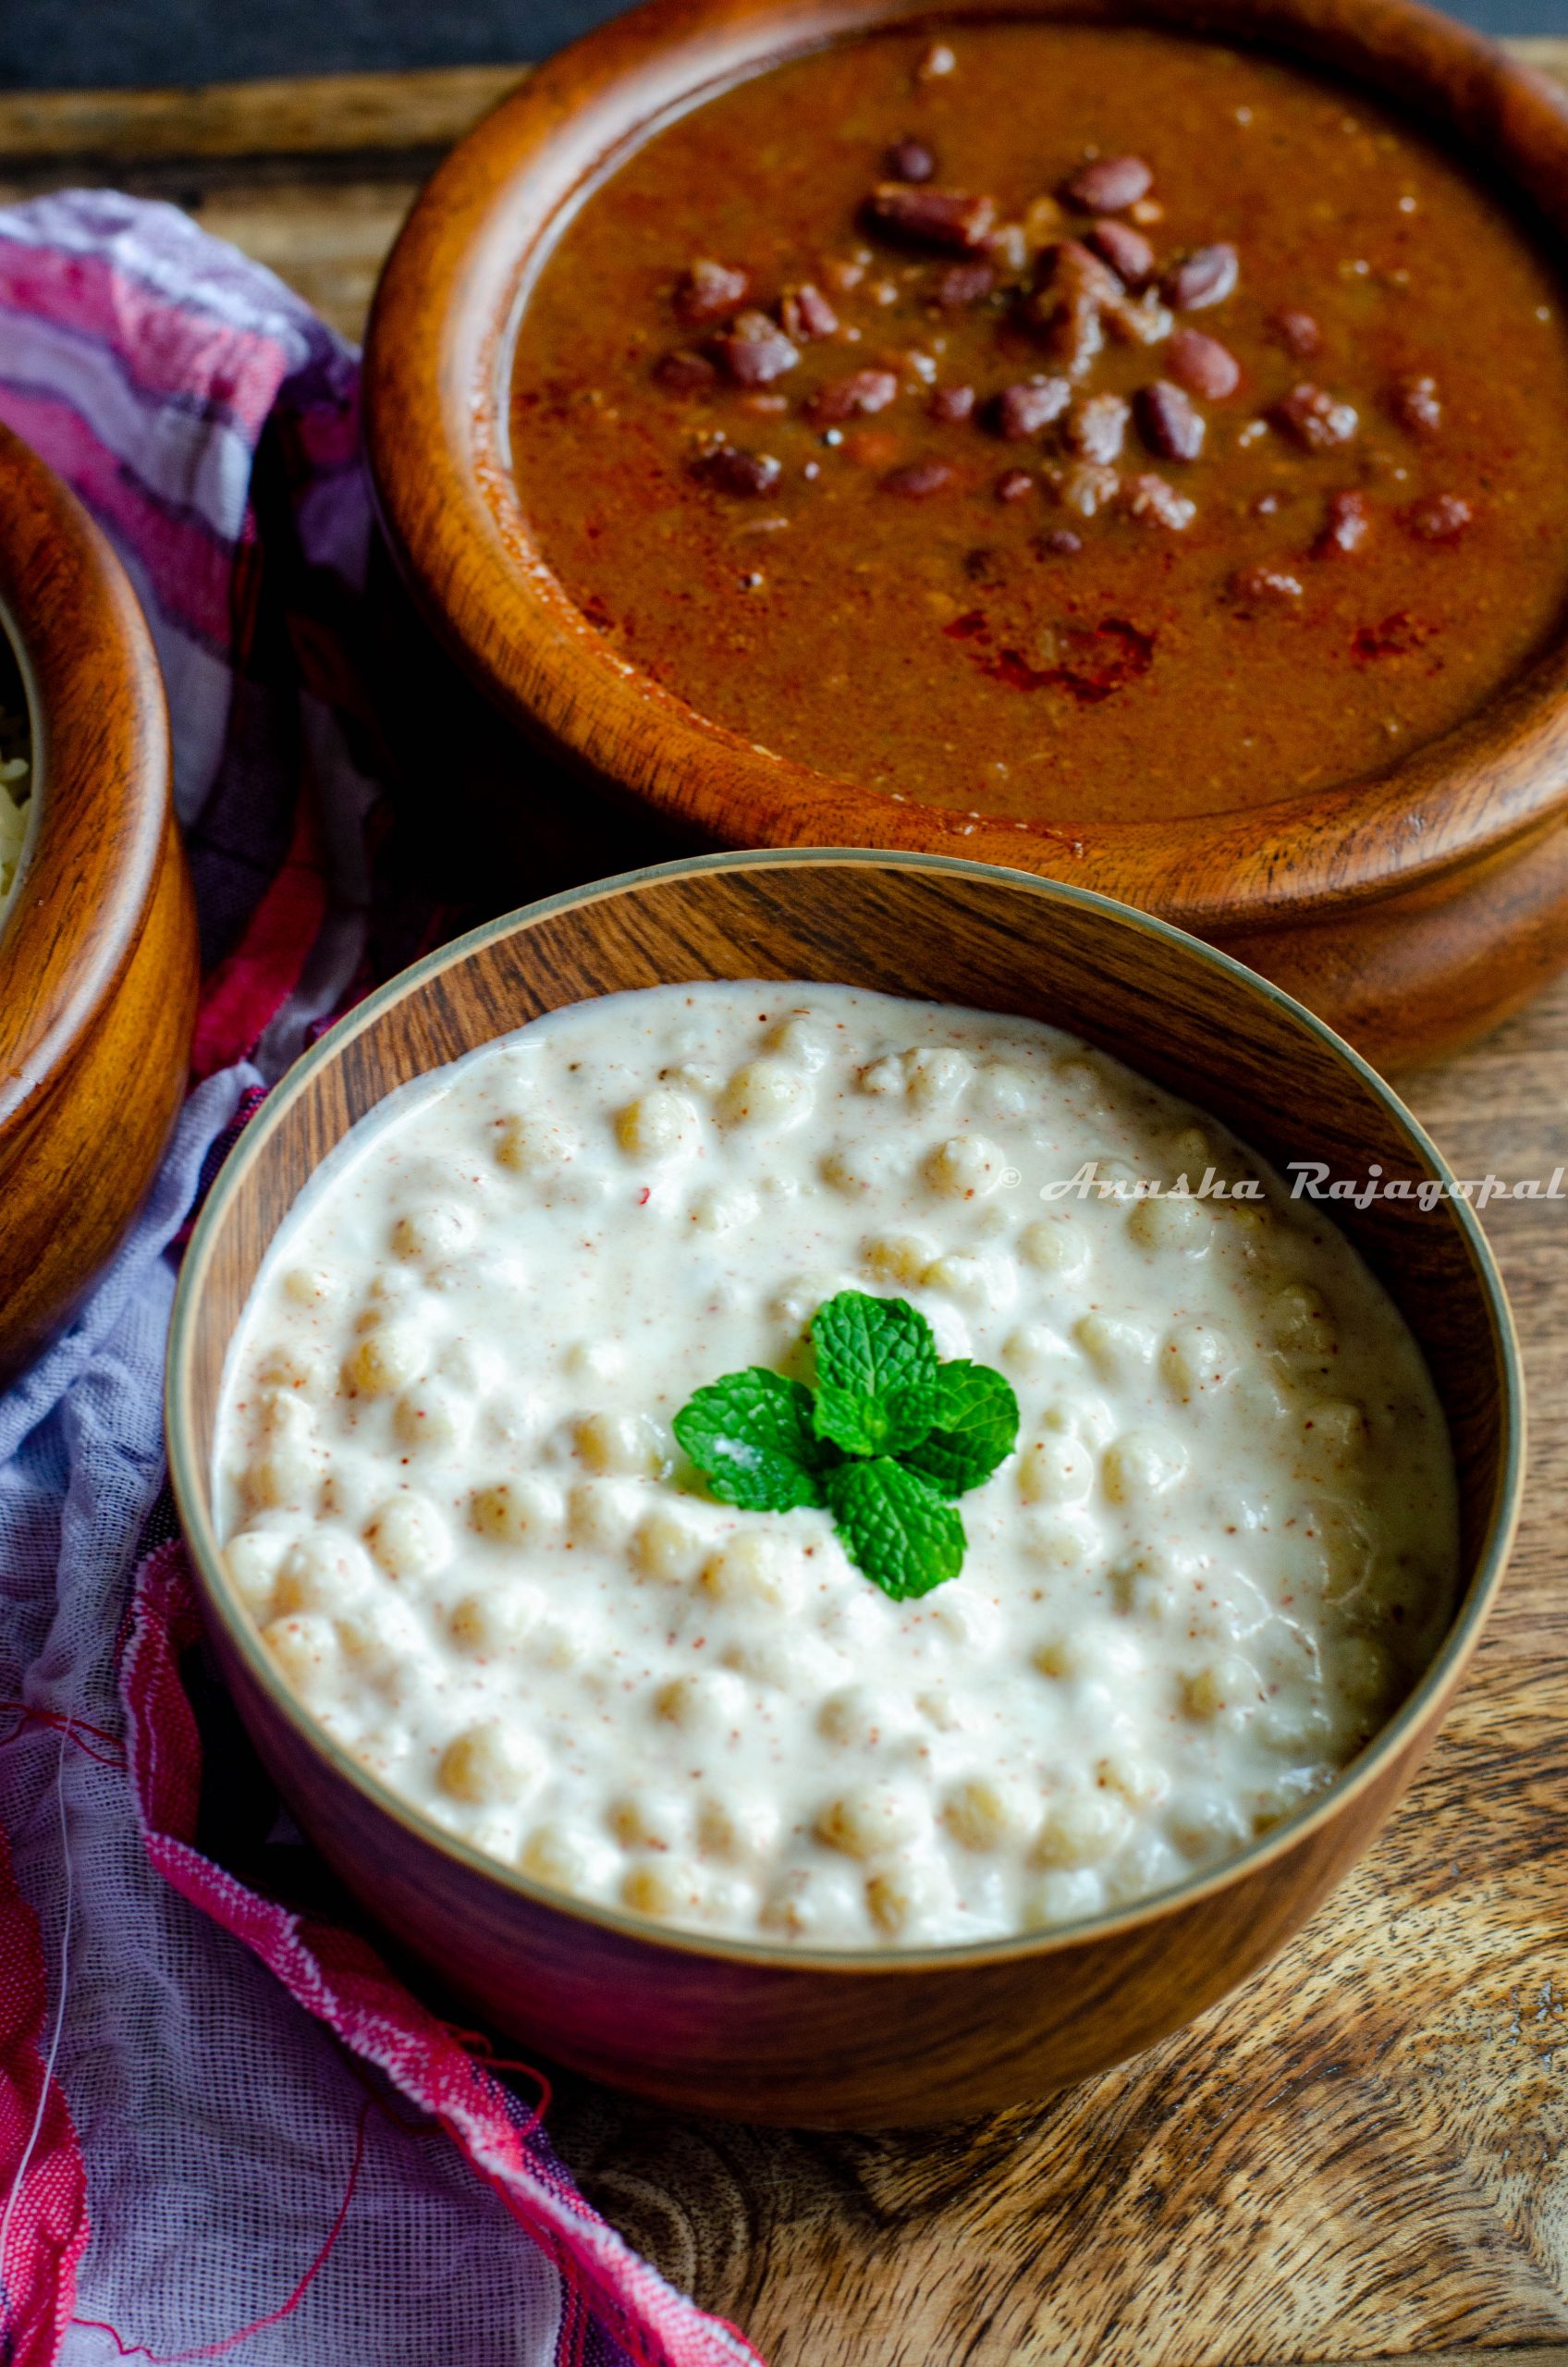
1427 1700
437 372
103 761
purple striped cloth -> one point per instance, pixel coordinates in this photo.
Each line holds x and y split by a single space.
225 2126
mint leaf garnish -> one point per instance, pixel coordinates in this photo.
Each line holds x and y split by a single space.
895 1527
862 1424
752 1433
888 1436
875 1373
872 1345
974 1427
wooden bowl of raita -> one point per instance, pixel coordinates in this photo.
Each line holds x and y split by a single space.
840 1485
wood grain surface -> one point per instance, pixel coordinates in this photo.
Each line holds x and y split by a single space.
310 177
1362 2155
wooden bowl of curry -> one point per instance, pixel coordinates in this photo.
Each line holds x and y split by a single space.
1071 436
98 957
776 2030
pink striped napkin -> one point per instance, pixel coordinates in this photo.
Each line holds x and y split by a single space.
195 2167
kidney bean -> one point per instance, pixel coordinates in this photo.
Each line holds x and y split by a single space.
1060 542
710 291
910 160
1128 253
1203 365
806 313
1082 297
952 405
1074 335
1415 404
1014 484
684 374
932 217
1318 422
1266 586
862 392
1168 422
965 283
1034 403
1206 277
1151 499
1098 427
735 471
1298 332
1070 268
919 479
1075 288
753 351
1108 184
1347 521
1442 519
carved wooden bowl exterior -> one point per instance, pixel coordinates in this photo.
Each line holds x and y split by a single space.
98 959
766 2032
1411 910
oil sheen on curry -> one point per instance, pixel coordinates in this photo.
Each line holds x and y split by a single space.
1052 421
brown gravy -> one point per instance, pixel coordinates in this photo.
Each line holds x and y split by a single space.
965 545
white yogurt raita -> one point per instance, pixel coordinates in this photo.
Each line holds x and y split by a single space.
451 1498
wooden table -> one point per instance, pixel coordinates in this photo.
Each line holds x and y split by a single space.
1362 2155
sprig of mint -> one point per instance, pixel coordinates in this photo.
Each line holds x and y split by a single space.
884 1442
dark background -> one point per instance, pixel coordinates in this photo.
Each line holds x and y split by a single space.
50 43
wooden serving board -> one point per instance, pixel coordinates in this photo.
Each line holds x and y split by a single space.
1361 2155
